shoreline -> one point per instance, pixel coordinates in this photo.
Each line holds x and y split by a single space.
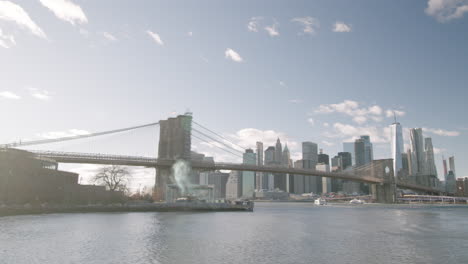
122 208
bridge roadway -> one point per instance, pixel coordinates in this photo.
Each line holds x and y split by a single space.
104 159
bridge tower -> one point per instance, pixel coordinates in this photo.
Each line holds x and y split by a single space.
383 169
174 144
383 192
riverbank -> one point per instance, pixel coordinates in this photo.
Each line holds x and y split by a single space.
144 207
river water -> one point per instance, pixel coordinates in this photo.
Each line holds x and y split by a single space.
273 233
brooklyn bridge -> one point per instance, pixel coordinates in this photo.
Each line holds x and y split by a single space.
175 143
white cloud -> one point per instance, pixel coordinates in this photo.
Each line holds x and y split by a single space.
61 134
9 95
311 121
442 132
14 13
66 10
341 27
445 10
327 143
40 94
247 138
326 124
360 114
310 24
231 54
6 41
350 133
254 24
109 36
390 113
360 119
155 37
272 30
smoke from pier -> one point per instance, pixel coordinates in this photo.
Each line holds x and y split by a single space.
181 170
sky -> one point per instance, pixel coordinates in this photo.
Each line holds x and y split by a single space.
320 71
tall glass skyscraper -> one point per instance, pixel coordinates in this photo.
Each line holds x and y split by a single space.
397 147
430 162
248 177
417 151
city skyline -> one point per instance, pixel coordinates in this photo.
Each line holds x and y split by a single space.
319 73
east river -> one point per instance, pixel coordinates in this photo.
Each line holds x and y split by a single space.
273 233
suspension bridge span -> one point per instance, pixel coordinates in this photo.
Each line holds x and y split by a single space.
175 144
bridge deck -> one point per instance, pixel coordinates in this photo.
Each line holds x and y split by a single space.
88 158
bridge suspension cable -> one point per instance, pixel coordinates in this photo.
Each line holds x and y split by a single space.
219 135
217 141
61 139
214 145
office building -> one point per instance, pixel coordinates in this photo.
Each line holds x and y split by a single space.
349 147
430 162
326 182
323 158
452 164
248 177
309 161
417 151
234 185
360 152
268 179
259 175
297 181
397 147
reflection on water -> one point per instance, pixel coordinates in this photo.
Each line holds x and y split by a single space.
274 233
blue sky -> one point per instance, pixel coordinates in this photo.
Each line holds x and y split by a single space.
322 71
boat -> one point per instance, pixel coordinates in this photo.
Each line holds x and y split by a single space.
356 201
320 201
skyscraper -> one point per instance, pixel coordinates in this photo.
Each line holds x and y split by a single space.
345 160
309 161
248 177
297 181
360 152
268 179
309 152
452 165
368 149
397 147
349 147
430 162
259 175
417 151
286 157
323 158
278 152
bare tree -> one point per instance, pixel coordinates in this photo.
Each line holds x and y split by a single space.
114 177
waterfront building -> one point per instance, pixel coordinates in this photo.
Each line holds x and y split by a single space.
397 147
326 182
451 184
234 185
218 181
248 177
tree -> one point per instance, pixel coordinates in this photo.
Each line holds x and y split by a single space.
114 177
